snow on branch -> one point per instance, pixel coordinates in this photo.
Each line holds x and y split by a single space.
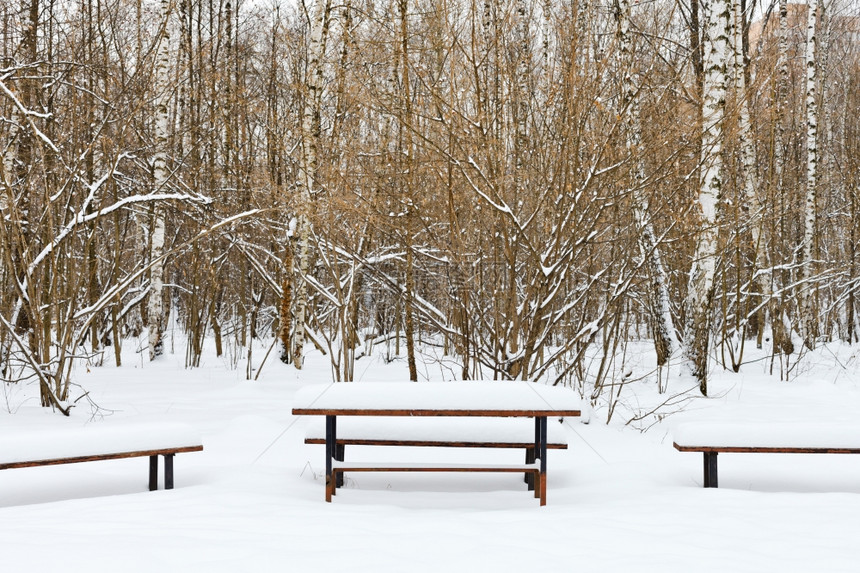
121 286
82 217
29 115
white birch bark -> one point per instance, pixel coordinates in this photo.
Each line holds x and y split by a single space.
809 319
701 282
547 36
665 337
779 321
748 175
9 155
310 140
408 184
522 102
155 310
7 195
781 90
828 75
585 47
749 180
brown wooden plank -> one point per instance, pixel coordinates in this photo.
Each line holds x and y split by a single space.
425 412
438 444
99 457
764 450
447 469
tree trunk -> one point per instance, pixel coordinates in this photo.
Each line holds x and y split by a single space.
310 130
285 308
701 284
665 338
155 310
810 320
408 151
780 331
748 177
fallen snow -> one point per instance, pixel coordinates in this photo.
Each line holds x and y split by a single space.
74 441
798 434
619 500
442 428
469 395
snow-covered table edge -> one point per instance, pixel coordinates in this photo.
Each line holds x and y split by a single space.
473 398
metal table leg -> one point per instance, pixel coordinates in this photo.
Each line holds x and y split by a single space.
330 453
168 471
153 472
543 445
710 469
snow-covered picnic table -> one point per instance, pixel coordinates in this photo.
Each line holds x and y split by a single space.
449 400
102 441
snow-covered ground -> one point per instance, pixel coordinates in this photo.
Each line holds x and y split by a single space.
618 500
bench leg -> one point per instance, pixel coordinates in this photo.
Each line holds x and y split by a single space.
330 453
339 455
530 476
710 469
542 453
168 471
536 452
153 473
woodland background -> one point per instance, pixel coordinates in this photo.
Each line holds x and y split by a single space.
529 185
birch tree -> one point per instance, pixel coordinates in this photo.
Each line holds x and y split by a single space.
155 305
665 338
310 135
406 154
701 284
750 187
781 331
810 320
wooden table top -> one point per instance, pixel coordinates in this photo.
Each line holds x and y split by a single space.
466 398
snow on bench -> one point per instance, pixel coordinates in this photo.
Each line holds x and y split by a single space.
442 431
102 442
479 398
712 438
459 414
437 431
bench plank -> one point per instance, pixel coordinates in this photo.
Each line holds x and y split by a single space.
95 439
798 435
435 444
99 457
764 450
489 413
713 438
98 442
489 433
494 432
430 467
537 481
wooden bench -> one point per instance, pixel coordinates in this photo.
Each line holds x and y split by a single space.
98 442
801 437
492 433
411 402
